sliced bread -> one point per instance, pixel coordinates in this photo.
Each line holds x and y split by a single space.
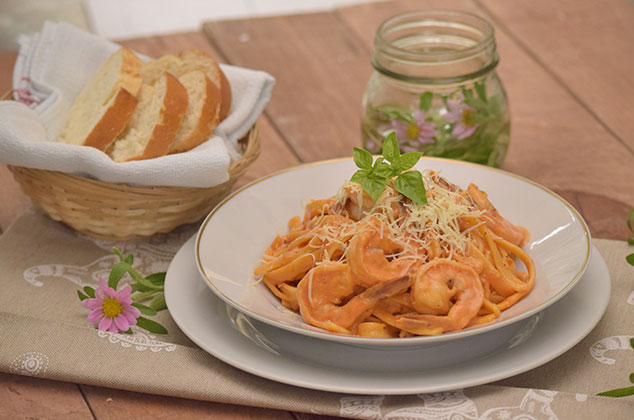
201 116
106 103
187 61
155 122
206 63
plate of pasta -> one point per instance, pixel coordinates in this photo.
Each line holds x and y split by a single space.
318 250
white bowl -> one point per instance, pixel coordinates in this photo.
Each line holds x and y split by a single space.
234 236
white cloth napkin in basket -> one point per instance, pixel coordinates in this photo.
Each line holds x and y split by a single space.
51 69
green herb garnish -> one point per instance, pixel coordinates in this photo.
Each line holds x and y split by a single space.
373 176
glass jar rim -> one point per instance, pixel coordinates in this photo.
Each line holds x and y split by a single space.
381 42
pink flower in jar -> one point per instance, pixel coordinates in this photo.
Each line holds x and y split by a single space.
461 115
418 130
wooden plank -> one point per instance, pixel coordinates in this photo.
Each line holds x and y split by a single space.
109 404
554 139
7 61
274 156
23 397
586 45
171 44
321 71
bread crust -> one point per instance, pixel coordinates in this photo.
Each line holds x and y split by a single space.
221 81
206 123
172 112
113 122
130 72
121 91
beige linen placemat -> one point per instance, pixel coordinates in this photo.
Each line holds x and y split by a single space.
44 333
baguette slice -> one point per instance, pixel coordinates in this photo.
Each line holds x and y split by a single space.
106 103
201 116
155 122
187 61
206 63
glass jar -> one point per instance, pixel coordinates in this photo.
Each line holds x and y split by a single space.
435 85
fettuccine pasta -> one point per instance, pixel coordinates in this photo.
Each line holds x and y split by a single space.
394 268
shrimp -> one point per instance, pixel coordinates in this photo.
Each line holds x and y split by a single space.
356 202
436 285
368 255
324 289
516 235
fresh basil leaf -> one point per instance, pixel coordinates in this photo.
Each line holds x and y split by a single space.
157 278
373 185
360 175
630 220
145 310
411 185
158 303
81 295
425 100
151 326
619 392
362 158
383 169
630 259
481 91
390 149
117 272
407 161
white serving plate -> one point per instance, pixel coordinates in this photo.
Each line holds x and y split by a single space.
234 236
296 359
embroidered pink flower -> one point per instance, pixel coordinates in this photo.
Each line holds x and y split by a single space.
418 130
111 310
462 115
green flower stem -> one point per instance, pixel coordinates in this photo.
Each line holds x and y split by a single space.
139 297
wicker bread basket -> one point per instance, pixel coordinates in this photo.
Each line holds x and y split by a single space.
122 212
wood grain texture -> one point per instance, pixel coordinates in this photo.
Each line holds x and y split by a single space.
321 71
7 61
555 140
587 45
275 154
109 404
157 46
27 398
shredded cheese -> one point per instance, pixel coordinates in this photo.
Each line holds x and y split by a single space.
412 225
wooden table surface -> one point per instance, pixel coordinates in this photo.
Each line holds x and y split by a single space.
567 68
